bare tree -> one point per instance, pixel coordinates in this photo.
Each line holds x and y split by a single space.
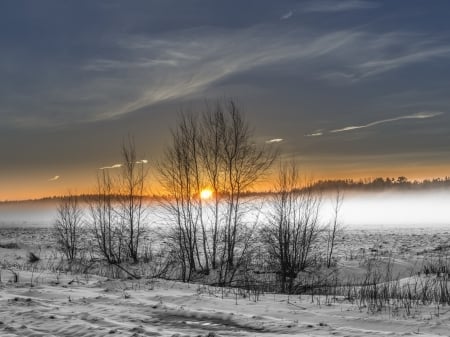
210 145
335 226
180 176
105 222
118 210
68 228
131 196
293 226
243 164
213 150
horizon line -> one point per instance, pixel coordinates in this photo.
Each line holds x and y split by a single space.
367 181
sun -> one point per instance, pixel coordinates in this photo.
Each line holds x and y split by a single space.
206 194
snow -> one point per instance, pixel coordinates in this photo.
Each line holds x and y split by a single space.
64 305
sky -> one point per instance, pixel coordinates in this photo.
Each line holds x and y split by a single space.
351 88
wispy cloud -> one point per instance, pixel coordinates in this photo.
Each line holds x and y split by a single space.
379 56
54 178
287 15
105 64
420 115
147 70
374 67
211 56
195 62
338 6
111 167
315 134
115 166
274 140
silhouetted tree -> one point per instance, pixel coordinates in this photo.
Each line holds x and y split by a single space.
402 180
68 228
180 176
293 226
214 150
243 163
118 210
105 222
131 191
334 227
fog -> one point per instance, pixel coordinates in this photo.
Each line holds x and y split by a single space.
396 209
27 214
390 209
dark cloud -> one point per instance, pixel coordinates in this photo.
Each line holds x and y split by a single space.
102 69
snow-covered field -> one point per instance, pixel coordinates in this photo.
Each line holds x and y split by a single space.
42 303
64 305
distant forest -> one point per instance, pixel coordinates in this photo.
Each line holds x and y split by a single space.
379 183
401 183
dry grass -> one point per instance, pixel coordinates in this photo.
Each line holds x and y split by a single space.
9 245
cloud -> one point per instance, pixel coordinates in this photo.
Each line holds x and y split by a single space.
286 16
105 64
197 60
111 167
274 140
54 178
382 54
324 6
420 115
211 56
143 71
315 134
377 66
143 161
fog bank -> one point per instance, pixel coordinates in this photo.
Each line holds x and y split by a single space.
389 209
395 209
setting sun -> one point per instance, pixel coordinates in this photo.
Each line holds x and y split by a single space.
206 194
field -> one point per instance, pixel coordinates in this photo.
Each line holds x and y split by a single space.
48 302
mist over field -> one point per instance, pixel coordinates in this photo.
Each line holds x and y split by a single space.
396 209
27 214
384 209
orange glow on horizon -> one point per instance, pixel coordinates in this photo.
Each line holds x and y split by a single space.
35 186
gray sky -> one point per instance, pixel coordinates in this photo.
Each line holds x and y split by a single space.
354 88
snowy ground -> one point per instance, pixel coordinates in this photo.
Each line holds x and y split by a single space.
49 304
64 305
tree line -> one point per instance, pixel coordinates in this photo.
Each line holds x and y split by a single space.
401 183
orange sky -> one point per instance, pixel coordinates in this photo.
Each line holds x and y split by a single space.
351 91
32 186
